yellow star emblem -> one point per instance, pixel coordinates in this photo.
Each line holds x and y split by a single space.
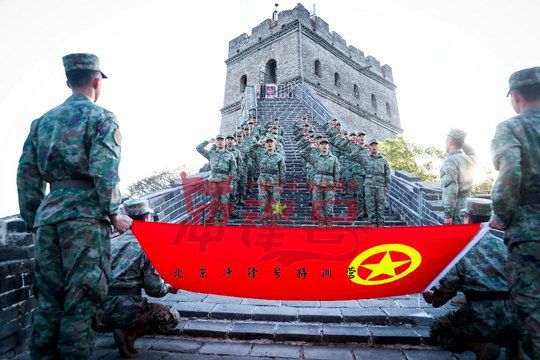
277 208
386 266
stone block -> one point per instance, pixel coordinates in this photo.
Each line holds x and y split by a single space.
327 352
394 335
13 297
176 345
364 315
249 330
346 333
408 316
10 283
328 315
374 353
276 350
194 309
207 328
274 313
298 332
428 355
232 311
226 348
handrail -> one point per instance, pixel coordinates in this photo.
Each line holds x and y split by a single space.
323 115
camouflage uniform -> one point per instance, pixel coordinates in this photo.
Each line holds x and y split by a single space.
76 148
516 203
223 170
326 175
359 174
376 183
271 179
236 179
243 170
481 276
456 180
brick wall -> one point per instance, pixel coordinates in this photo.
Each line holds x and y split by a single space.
16 278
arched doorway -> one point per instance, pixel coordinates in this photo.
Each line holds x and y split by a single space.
270 72
243 83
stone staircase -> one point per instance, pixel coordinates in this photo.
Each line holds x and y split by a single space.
402 321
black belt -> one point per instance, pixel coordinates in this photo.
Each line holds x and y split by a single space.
464 194
328 173
224 172
133 291
487 295
71 184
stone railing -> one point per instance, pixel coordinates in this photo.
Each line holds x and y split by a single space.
418 203
16 280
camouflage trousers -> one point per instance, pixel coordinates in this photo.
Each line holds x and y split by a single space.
127 312
524 284
220 197
242 186
269 193
73 266
360 191
346 178
457 216
474 322
375 204
323 198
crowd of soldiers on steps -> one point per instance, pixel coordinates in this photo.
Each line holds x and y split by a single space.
332 160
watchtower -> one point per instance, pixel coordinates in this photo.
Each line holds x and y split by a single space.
296 47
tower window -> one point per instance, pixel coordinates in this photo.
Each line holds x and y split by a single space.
388 110
374 101
337 81
318 68
356 91
270 72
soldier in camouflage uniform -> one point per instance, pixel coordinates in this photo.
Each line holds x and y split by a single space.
74 147
271 179
456 176
229 141
243 171
515 151
223 170
486 318
126 311
376 183
327 172
359 173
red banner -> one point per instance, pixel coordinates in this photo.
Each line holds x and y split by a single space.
304 263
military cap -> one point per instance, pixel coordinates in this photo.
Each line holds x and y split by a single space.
239 134
323 140
310 131
136 207
82 62
352 134
457 134
338 123
361 132
250 122
524 77
318 136
269 138
373 141
229 136
477 207
220 136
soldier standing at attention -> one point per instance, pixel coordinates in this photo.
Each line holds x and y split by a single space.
74 147
326 170
229 141
126 311
515 150
485 321
242 171
222 172
376 183
456 176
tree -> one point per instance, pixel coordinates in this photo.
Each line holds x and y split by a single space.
484 186
159 180
420 161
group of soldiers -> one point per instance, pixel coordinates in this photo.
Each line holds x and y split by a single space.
85 281
255 153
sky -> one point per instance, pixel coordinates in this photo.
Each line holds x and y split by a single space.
166 65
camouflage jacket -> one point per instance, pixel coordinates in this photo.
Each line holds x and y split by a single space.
356 150
456 179
482 269
378 172
76 140
130 268
272 166
515 150
326 167
222 163
238 158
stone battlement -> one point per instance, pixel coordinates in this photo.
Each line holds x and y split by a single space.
316 25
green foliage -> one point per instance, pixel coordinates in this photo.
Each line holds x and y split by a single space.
159 180
423 162
484 185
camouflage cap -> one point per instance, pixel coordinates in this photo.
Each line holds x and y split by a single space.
220 136
457 134
310 131
229 136
361 132
136 207
318 136
269 138
477 207
323 140
352 134
524 77
82 62
239 134
373 141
